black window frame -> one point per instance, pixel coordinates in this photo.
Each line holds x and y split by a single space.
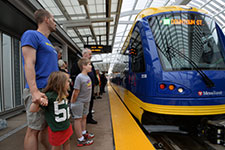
137 52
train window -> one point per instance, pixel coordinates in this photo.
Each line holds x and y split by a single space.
137 58
181 37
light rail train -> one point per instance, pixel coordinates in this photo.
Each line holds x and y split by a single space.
176 67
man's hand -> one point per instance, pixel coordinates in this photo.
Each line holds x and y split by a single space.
37 96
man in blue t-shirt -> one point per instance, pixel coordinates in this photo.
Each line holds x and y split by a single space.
39 61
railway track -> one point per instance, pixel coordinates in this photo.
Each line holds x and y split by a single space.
180 141
175 141
172 138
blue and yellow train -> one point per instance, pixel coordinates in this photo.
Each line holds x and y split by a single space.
176 64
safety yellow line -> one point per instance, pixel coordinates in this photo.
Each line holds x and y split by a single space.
127 134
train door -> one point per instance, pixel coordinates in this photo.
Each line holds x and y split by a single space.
137 75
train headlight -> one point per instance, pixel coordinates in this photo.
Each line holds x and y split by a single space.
171 87
180 90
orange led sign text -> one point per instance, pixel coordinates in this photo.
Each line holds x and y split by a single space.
186 21
99 48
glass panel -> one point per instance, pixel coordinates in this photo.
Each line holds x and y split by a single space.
17 72
186 38
0 74
70 10
136 51
7 73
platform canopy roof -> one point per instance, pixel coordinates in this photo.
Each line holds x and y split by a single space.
107 22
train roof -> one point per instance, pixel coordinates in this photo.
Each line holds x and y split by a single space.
157 10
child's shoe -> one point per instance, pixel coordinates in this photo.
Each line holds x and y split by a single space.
88 135
85 142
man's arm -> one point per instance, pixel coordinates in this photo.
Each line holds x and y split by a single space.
74 95
29 55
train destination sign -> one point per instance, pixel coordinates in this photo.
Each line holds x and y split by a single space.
182 21
99 48
133 52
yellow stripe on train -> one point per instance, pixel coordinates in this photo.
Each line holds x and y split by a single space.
137 107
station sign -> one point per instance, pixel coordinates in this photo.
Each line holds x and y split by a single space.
182 21
97 49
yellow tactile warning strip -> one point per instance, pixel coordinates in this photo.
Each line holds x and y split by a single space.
127 134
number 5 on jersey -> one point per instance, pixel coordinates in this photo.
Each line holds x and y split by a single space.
63 111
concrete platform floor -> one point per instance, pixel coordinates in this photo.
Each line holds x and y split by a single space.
12 137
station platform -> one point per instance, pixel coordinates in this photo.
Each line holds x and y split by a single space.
116 128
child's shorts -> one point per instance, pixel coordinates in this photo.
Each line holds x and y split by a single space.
59 137
79 109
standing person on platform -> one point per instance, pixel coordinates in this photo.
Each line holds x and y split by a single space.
103 83
66 66
62 66
97 87
80 102
39 61
75 71
57 110
59 52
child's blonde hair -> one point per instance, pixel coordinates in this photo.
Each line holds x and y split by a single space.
57 82
83 62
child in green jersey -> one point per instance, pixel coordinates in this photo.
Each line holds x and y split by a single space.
57 111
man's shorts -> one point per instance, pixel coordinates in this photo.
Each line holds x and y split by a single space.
79 109
35 120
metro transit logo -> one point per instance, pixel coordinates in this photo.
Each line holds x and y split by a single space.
200 93
207 93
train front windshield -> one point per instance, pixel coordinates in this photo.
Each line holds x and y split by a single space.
184 37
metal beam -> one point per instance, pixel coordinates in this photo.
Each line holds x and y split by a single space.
88 17
167 2
205 4
218 13
62 9
126 22
86 20
90 41
96 26
101 26
60 35
149 4
108 15
83 15
128 13
67 16
89 36
181 2
83 24
97 61
83 2
133 9
117 19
